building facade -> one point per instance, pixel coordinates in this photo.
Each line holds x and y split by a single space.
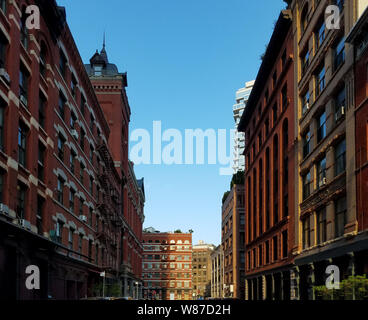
233 242
201 270
242 96
268 123
326 220
110 88
167 265
59 187
217 273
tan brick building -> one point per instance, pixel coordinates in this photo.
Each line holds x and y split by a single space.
202 268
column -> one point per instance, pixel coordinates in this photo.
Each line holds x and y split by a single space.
294 284
311 281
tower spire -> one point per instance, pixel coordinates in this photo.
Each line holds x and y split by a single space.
104 41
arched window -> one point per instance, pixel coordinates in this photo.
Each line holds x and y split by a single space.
304 19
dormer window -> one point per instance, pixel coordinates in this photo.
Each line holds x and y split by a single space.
97 70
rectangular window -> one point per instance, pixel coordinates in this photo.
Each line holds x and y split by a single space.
73 86
321 172
320 80
60 191
306 233
322 127
3 5
70 238
62 102
42 110
23 85
321 35
71 200
339 54
62 63
306 143
340 217
305 102
41 161
90 250
340 104
306 185
73 119
305 62
59 232
340 158
39 216
267 252
321 226
3 48
83 105
22 144
72 160
91 185
80 243
275 249
61 147
90 217
285 244
21 200
284 97
82 138
81 174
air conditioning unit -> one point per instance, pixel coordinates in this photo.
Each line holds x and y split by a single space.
4 75
83 218
4 209
24 224
75 134
24 100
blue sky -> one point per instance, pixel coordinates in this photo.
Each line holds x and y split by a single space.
185 60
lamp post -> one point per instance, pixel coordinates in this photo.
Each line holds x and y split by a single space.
103 275
137 294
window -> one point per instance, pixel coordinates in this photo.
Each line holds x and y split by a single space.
73 119
96 254
254 258
21 200
23 85
322 127
62 63
274 80
306 143
275 249
39 216
59 232
320 80
62 102
321 34
80 243
306 185
284 244
60 191
72 160
82 138
267 126
70 238
90 217
81 173
306 233
3 48
83 105
305 61
91 152
41 161
339 54
71 200
305 102
340 158
283 59
91 185
42 110
61 147
3 5
2 121
90 250
284 97
97 70
340 4
267 252
22 144
321 172
73 86
43 60
340 217
260 255
274 112
340 104
321 226
24 29
304 19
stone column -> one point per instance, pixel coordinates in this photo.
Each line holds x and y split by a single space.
272 287
282 286
294 284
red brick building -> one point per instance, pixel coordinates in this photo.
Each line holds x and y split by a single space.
359 38
60 189
110 87
167 265
268 123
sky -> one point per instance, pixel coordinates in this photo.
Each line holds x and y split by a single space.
185 60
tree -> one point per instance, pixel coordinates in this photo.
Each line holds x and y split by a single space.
191 231
178 231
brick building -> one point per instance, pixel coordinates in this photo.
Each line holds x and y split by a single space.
217 273
233 242
60 191
326 217
202 268
110 88
268 123
167 265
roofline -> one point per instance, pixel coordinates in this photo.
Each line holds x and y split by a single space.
355 31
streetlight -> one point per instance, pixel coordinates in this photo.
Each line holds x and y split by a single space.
137 284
